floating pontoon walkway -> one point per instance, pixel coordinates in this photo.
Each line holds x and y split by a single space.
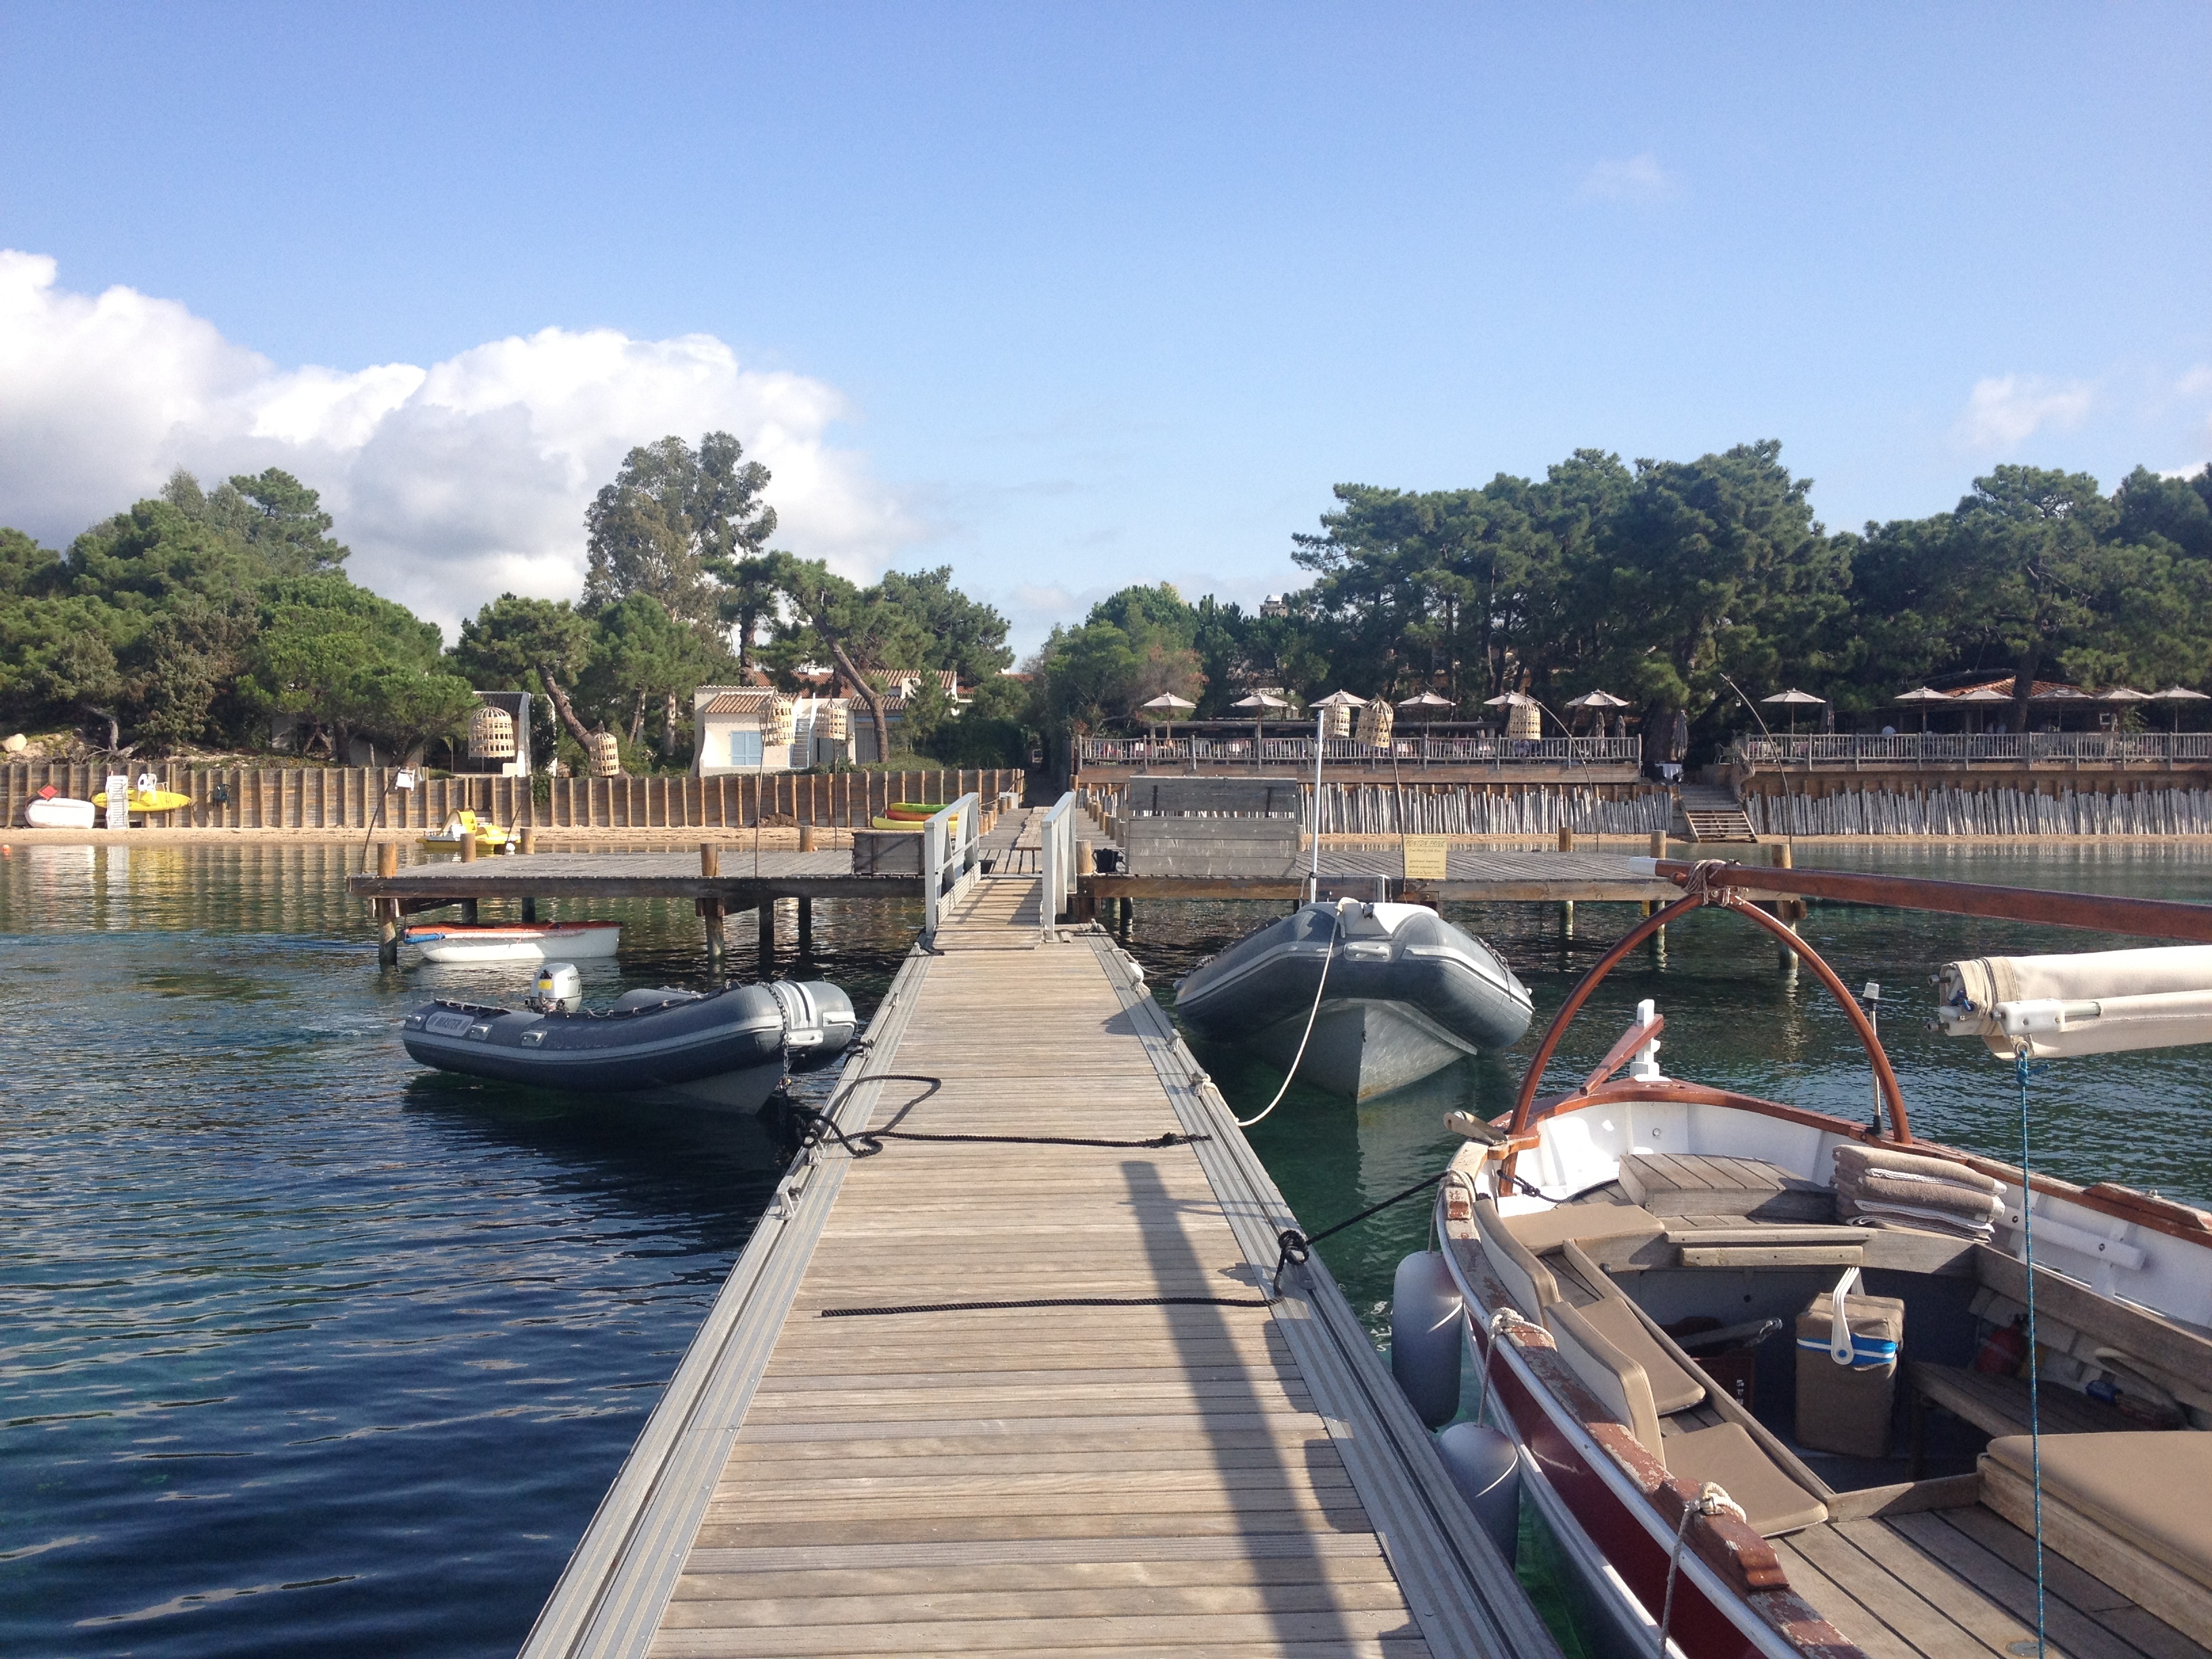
843 1464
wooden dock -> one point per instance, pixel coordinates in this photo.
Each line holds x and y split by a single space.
1148 1458
1473 875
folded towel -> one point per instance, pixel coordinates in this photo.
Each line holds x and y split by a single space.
1877 1186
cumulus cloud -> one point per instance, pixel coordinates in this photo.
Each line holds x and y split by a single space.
2006 409
1639 178
452 484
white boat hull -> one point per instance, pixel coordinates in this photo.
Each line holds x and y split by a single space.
61 813
552 942
1362 1048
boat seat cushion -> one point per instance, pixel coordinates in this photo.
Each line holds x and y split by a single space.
1771 1502
1530 1279
1614 1379
1539 1230
2150 1488
1673 1388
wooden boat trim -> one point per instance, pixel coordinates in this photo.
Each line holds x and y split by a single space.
1732 1581
1704 893
2167 918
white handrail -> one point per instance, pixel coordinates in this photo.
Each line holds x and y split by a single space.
1056 859
949 857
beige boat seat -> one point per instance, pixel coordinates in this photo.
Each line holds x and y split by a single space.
1530 1279
1543 1231
1771 1502
2151 1489
1673 1388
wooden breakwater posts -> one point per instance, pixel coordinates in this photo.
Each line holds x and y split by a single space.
354 797
855 1457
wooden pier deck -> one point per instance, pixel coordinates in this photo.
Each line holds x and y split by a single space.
1128 1477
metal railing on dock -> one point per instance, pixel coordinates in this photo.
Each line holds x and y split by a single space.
951 853
1966 748
1404 752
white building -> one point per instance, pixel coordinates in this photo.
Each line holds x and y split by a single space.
754 728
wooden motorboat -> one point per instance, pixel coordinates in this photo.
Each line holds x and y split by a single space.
1359 998
1764 1365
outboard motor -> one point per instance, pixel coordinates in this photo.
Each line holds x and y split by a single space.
818 1021
560 989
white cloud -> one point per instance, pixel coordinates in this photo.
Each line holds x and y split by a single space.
2006 409
452 484
1637 179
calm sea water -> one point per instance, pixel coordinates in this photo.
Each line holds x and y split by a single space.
305 1349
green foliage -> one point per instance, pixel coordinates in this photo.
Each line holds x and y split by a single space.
673 518
952 630
644 660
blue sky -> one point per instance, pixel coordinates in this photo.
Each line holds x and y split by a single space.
1070 296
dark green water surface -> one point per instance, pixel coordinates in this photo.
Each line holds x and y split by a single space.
305 1349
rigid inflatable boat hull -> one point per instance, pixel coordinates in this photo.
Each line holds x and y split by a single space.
1361 1049
728 1049
1407 993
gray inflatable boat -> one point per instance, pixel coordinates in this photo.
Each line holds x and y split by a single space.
1408 995
728 1049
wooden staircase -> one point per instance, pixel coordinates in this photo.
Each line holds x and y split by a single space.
1708 812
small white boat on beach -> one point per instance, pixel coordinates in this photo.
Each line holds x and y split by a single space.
520 941
59 812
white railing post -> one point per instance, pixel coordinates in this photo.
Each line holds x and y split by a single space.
1056 861
958 823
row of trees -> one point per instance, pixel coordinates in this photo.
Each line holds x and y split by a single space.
1661 581
199 618
192 619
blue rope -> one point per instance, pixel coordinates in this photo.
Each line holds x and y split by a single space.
2021 1072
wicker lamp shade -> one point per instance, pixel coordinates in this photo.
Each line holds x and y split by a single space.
491 734
606 755
1376 721
832 722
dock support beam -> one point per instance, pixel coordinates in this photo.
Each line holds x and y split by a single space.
710 910
1566 915
768 939
386 910
468 912
530 910
806 919
1789 912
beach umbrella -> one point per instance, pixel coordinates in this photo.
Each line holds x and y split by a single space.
1983 696
1794 700
1167 702
1600 701
1340 700
1258 702
2123 694
1428 702
2177 695
1923 696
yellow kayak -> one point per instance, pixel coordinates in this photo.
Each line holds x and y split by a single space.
915 825
463 825
148 800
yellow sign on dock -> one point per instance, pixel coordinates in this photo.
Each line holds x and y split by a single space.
1426 856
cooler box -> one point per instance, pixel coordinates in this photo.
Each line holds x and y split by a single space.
1846 1407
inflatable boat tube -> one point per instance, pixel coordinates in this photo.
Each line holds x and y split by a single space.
1408 995
727 1047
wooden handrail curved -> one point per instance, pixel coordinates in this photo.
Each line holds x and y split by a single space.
1885 1076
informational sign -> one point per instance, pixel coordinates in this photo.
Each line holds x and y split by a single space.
1424 857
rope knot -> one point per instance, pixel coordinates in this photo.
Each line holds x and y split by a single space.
1700 884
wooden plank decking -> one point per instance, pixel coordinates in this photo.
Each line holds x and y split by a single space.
1216 1476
